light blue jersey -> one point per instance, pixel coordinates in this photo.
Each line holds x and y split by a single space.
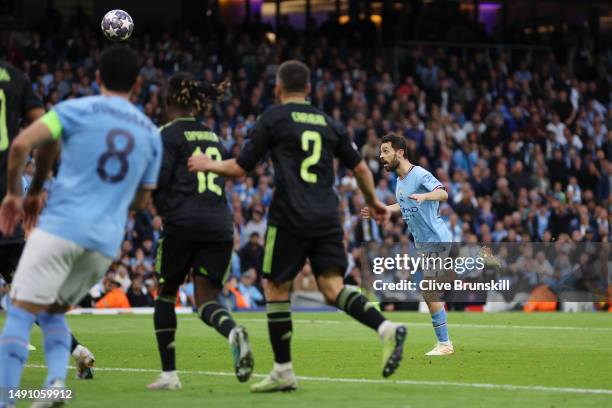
109 150
423 219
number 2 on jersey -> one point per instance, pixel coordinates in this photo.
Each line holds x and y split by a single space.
206 180
307 137
4 139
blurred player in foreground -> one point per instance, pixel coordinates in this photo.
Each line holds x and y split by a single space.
111 154
18 101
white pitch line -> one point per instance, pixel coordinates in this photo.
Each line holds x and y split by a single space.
451 324
509 387
455 325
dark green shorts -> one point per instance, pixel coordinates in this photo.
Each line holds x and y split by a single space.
286 253
177 256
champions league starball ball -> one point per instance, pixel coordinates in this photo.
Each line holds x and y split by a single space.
117 25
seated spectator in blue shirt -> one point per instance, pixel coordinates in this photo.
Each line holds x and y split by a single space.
249 291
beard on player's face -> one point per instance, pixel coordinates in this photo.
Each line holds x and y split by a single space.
391 164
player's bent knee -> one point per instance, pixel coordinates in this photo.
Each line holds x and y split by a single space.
205 290
206 295
330 284
330 297
330 292
277 292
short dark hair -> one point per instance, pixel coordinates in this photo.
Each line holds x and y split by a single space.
294 76
397 142
119 68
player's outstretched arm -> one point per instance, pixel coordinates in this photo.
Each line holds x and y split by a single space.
438 194
227 168
33 203
393 210
12 204
45 157
35 134
365 180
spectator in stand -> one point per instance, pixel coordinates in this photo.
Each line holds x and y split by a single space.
257 225
186 293
305 280
140 259
137 294
383 192
114 296
252 296
530 135
251 255
151 285
230 297
122 275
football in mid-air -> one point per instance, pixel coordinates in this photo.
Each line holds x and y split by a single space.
117 25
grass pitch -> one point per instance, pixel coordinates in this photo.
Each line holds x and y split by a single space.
539 360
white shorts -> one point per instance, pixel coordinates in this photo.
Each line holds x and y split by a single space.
54 270
437 254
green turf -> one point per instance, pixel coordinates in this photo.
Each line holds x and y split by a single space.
550 350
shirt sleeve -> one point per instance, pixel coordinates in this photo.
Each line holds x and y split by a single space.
53 123
64 118
149 179
430 182
346 150
255 147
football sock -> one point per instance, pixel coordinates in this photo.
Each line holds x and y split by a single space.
280 329
14 349
438 319
164 320
73 342
357 306
215 315
57 345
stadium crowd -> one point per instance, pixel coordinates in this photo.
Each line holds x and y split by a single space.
522 142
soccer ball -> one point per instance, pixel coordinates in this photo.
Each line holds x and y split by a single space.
117 25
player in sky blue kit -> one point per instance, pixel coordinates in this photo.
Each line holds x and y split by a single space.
419 194
18 105
110 159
